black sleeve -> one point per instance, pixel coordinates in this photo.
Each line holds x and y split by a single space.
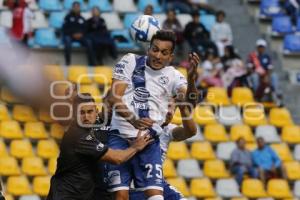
90 146
67 25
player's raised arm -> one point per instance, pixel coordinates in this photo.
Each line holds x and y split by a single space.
188 98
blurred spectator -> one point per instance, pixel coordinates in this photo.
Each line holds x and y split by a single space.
259 62
241 162
100 36
21 26
172 23
74 29
148 10
198 37
234 68
268 162
221 33
292 8
183 6
211 71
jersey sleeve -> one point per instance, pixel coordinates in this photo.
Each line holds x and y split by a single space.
91 147
124 68
179 82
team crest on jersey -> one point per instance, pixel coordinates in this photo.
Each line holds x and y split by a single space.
163 80
99 147
119 69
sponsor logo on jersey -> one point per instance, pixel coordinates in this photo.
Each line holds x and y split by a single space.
89 138
119 69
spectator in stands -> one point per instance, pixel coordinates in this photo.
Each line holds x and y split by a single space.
172 23
74 29
99 35
21 26
183 6
262 77
148 10
211 70
268 162
292 8
235 72
241 162
221 32
198 37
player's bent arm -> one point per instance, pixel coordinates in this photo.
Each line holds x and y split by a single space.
115 99
118 156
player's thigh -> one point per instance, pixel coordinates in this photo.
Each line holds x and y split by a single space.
147 168
118 176
136 195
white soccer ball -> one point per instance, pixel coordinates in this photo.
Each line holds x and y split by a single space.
143 28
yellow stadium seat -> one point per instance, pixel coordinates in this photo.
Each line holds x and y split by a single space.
177 117
241 131
44 116
292 170
47 149
9 166
41 185
177 151
103 75
202 151
79 74
280 117
169 169
253 188
33 166
180 185
183 71
202 187
4 114
18 185
291 134
8 97
54 72
217 96
23 113
254 115
282 151
3 150
204 115
215 133
216 198
239 198
251 146
56 131
10 130
93 90
35 130
242 96
215 169
52 165
21 148
279 188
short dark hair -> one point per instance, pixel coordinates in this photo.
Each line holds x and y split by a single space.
165 35
220 12
82 98
75 3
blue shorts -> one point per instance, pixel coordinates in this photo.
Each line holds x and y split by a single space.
145 168
170 193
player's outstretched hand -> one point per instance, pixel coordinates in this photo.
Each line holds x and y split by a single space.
143 123
141 141
194 61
